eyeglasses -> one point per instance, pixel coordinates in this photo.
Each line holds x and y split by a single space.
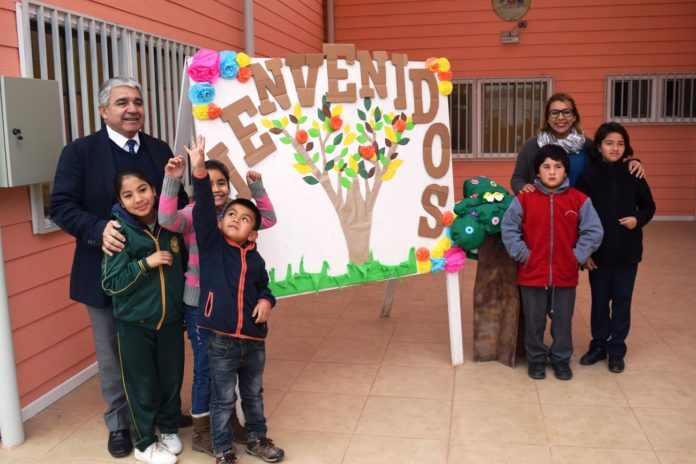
553 114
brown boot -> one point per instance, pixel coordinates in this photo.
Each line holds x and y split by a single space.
240 434
201 435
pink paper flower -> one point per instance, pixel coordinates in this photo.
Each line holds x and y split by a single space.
205 66
456 258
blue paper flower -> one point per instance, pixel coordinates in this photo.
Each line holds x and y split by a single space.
202 93
438 264
228 64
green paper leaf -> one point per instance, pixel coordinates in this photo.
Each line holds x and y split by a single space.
350 172
367 102
387 119
315 158
383 159
338 138
404 141
311 180
303 119
313 132
330 148
356 156
345 182
321 115
410 125
329 165
361 139
360 128
341 163
300 159
286 140
344 151
378 113
378 126
277 123
361 115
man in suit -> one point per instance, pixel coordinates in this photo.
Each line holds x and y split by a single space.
81 201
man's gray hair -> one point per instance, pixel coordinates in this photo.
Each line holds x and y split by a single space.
105 89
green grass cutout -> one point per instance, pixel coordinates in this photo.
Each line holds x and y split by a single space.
371 271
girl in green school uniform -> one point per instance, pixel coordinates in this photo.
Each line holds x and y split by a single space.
146 281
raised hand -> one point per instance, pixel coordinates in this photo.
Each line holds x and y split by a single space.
197 154
175 167
253 176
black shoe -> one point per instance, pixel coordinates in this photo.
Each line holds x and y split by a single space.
185 420
616 364
562 370
536 370
593 355
120 443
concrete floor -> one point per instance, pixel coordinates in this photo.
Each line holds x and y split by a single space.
344 386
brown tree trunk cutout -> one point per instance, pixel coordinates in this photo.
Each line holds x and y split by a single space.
353 207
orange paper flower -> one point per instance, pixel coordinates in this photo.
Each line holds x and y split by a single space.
214 111
444 76
432 64
399 125
301 136
335 123
243 75
367 151
422 254
447 218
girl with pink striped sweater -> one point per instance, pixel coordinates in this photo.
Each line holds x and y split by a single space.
180 221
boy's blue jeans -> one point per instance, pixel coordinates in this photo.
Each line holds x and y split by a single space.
232 358
200 390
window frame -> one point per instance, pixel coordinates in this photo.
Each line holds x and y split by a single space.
117 50
476 125
657 101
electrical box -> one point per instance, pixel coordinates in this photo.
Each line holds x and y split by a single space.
32 131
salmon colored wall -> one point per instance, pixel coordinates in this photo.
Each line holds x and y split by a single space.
52 336
576 43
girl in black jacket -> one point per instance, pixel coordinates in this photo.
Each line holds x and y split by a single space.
624 204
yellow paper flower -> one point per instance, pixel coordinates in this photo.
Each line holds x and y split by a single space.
243 60
492 197
443 65
200 112
442 245
445 87
424 266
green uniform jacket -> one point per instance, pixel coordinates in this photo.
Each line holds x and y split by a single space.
152 297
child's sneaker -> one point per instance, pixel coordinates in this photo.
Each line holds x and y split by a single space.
155 454
228 457
172 443
265 449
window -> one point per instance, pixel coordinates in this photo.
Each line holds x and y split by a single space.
492 118
652 98
679 101
80 53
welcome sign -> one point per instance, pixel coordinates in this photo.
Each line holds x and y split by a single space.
354 150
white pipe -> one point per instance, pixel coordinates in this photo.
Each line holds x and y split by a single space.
11 426
249 27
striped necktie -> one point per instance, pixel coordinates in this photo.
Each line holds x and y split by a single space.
131 146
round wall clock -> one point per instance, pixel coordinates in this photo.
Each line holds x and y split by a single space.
511 10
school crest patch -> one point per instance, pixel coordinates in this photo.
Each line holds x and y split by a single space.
174 245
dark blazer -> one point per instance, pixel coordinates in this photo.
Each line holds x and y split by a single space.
81 202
